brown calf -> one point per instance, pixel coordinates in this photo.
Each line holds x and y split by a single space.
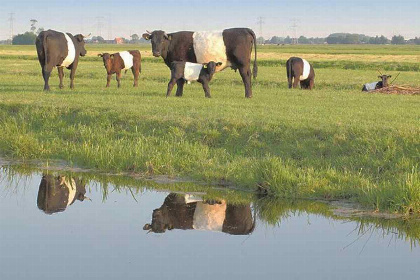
125 60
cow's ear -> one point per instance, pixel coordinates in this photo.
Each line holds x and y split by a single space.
100 54
169 37
380 77
147 227
389 76
205 66
219 63
111 56
79 37
147 36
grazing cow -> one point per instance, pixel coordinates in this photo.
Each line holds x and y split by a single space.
187 71
57 192
232 47
377 85
61 50
189 212
125 60
300 70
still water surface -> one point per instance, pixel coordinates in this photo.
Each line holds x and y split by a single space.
59 227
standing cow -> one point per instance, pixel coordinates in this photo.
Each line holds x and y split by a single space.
61 50
300 70
232 47
116 62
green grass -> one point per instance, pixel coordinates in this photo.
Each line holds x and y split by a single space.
334 142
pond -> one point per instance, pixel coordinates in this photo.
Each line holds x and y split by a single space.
56 225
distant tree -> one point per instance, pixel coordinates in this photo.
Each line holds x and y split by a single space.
397 40
98 39
276 40
351 39
303 40
28 38
288 40
39 30
260 40
134 38
416 40
33 23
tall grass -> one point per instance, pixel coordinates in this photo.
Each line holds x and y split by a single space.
333 142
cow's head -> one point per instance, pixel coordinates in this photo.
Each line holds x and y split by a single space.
160 41
107 58
81 44
384 79
160 221
211 66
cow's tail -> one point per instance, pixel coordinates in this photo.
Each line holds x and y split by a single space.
255 67
44 47
140 65
289 70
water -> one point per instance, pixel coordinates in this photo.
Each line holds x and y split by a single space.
105 234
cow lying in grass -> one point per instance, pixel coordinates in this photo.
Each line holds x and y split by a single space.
300 70
187 71
377 85
116 62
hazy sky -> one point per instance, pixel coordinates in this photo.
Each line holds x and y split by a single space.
315 18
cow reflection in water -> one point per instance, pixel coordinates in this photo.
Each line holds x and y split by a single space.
189 212
57 192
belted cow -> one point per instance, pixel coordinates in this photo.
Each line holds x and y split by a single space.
61 50
116 62
300 71
232 47
187 71
189 212
57 192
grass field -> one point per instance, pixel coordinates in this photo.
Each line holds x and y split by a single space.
334 142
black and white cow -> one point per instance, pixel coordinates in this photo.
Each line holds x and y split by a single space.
377 85
57 192
188 71
61 50
232 47
300 70
190 212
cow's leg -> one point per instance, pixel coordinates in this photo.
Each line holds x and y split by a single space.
135 71
118 74
171 85
46 72
311 84
72 75
60 76
206 89
296 82
108 79
180 87
246 78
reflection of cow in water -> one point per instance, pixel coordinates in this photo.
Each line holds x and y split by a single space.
187 212
57 192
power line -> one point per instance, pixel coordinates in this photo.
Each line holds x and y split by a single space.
99 25
294 27
260 21
11 20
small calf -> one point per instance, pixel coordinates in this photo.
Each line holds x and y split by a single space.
125 60
202 73
300 71
377 85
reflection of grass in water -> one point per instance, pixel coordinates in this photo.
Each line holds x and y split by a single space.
273 211
269 210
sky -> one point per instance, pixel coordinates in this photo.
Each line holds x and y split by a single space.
122 18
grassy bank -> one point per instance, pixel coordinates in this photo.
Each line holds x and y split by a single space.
334 142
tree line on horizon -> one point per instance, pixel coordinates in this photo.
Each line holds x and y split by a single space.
340 38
